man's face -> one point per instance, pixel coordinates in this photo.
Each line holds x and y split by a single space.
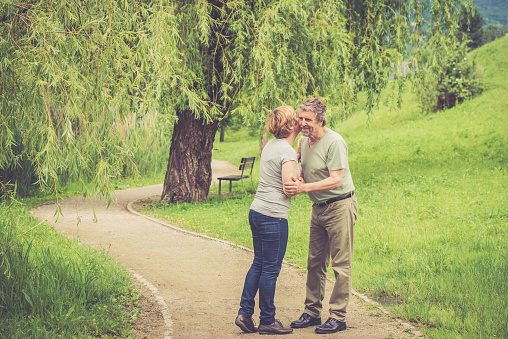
308 123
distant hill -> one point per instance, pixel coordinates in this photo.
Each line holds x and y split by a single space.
493 11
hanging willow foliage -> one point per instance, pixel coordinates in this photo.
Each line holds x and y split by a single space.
74 75
74 72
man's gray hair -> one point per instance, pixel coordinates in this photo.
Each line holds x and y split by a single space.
315 105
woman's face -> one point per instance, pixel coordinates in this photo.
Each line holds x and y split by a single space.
296 126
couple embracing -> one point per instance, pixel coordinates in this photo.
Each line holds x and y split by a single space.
325 176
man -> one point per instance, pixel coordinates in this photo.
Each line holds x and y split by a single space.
325 176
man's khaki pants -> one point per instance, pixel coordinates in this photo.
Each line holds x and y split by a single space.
331 236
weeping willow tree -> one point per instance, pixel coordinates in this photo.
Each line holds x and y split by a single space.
79 80
73 72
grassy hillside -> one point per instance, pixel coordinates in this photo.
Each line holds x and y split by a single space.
433 194
432 231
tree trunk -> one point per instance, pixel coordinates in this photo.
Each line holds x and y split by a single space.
263 141
222 132
189 172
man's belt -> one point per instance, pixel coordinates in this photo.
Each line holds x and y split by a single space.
340 197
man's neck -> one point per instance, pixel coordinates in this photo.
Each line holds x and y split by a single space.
314 138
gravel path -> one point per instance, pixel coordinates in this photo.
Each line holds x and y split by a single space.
195 282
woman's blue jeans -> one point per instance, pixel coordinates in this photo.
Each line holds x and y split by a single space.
270 237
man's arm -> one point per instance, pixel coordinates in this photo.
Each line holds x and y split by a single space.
298 186
299 149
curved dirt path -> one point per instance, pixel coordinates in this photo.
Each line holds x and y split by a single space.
197 281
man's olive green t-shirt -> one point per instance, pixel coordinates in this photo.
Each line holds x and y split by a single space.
328 154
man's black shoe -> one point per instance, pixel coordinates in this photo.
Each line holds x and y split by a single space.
305 321
331 326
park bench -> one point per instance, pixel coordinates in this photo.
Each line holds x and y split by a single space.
246 166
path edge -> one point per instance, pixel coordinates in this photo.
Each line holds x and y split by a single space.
361 296
168 322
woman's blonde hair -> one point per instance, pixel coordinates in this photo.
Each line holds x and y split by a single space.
281 121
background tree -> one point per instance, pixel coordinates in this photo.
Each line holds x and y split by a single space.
471 27
443 75
74 72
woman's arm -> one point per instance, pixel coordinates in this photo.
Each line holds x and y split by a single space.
289 170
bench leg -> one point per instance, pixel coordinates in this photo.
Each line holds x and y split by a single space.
219 185
230 185
244 191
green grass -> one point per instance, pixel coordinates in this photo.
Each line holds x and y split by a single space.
432 190
55 287
52 286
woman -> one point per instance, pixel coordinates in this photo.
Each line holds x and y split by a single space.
268 221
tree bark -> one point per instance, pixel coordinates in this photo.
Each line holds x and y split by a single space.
263 141
222 132
189 172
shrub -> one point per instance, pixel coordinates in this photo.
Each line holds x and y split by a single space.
450 80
